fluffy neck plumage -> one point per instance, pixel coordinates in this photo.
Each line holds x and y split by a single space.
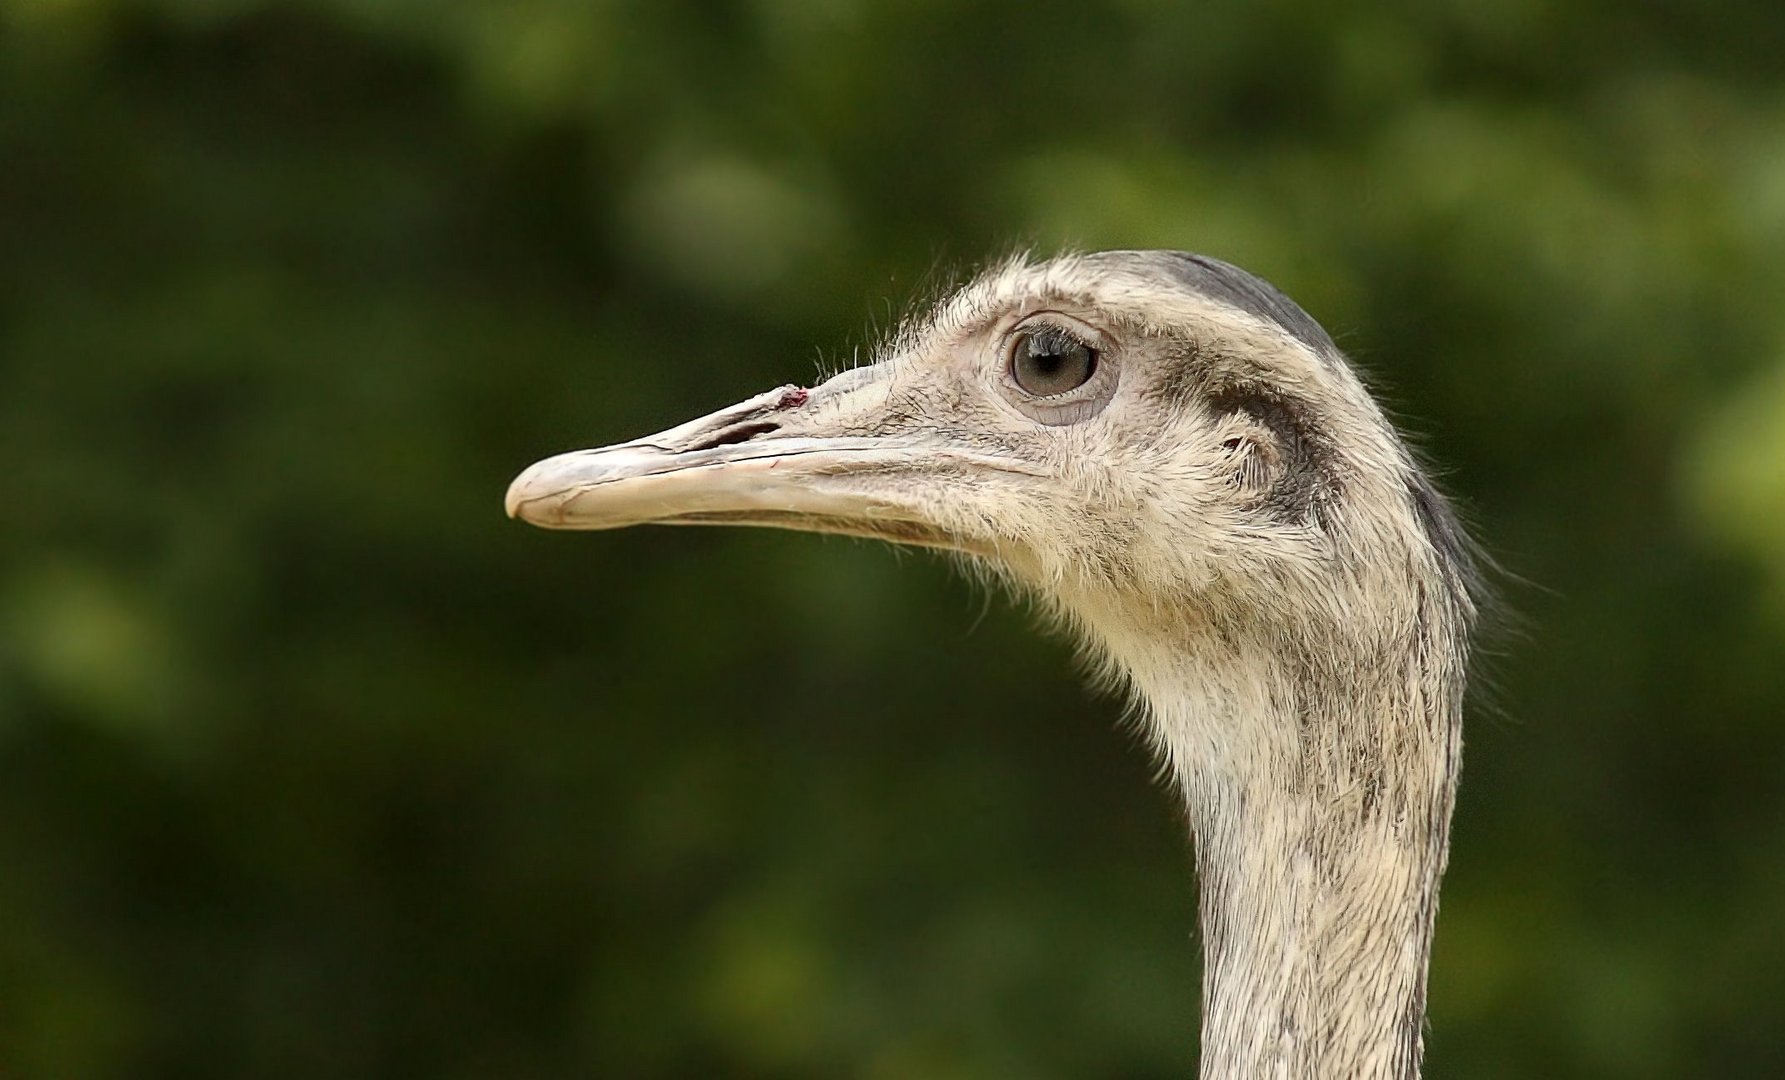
1316 915
1320 797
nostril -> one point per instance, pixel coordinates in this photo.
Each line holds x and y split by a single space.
741 433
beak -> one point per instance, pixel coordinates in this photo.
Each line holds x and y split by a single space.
833 459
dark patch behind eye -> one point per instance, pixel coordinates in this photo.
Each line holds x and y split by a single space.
1304 484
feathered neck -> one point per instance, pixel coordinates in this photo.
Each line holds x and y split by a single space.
1319 782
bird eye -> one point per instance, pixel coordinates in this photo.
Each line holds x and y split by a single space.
1049 361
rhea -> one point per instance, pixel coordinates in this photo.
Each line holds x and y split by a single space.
1178 461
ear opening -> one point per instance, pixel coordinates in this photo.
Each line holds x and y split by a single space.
1292 471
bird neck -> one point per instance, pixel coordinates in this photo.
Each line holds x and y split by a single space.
1320 802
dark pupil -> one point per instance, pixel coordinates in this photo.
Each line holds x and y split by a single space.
1052 362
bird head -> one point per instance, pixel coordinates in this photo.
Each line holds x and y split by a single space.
1107 429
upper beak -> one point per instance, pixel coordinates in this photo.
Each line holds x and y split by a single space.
819 460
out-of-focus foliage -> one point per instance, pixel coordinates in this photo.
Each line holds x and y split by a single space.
313 765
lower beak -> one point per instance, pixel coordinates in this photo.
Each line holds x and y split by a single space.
765 461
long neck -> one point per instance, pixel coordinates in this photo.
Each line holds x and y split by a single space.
1321 807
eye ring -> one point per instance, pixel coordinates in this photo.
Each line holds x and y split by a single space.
1049 361
1074 390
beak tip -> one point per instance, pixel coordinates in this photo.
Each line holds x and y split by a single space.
519 494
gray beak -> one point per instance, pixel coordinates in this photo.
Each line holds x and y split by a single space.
823 460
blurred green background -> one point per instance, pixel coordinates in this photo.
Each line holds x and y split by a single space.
311 764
